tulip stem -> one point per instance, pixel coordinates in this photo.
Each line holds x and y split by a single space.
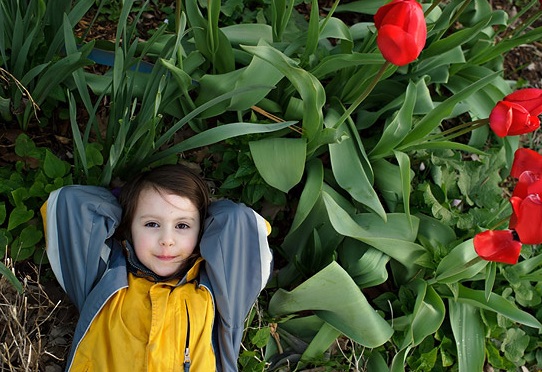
363 95
458 130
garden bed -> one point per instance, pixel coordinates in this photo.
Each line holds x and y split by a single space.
38 325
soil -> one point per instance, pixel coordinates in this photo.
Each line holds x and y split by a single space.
49 320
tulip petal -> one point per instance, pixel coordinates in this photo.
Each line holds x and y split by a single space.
498 246
396 45
523 186
530 98
529 219
500 119
526 160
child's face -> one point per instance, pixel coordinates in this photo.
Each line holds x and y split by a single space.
165 230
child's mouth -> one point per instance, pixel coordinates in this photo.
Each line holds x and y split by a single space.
166 258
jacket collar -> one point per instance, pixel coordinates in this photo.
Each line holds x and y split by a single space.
138 269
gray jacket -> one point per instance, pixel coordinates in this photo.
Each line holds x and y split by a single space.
91 267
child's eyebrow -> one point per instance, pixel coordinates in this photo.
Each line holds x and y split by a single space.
152 216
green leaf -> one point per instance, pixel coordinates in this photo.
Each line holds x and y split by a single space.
484 55
310 89
364 6
469 334
310 194
385 237
351 170
2 212
427 316
455 39
260 337
280 161
8 274
94 155
258 72
53 166
461 263
497 304
248 33
333 296
366 265
25 147
431 121
320 343
18 216
217 134
23 246
515 344
491 273
333 63
399 127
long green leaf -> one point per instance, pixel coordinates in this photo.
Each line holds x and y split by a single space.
404 251
493 51
461 263
469 334
352 169
310 194
432 120
332 64
365 264
398 128
207 105
320 343
497 304
456 39
215 135
333 296
406 176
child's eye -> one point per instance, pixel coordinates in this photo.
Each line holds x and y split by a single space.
182 226
151 224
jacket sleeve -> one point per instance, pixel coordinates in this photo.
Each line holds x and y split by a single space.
79 222
238 264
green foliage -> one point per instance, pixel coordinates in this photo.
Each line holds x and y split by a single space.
24 188
375 177
32 58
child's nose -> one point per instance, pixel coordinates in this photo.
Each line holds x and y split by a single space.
167 240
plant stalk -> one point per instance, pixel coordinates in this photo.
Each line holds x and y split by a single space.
363 95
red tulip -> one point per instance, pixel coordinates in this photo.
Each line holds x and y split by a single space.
498 246
401 31
511 119
526 160
517 113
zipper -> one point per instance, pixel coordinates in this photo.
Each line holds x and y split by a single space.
187 360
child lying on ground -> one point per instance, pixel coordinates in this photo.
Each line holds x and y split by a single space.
163 280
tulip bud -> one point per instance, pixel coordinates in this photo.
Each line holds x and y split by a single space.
510 119
401 31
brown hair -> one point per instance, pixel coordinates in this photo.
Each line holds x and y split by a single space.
174 179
